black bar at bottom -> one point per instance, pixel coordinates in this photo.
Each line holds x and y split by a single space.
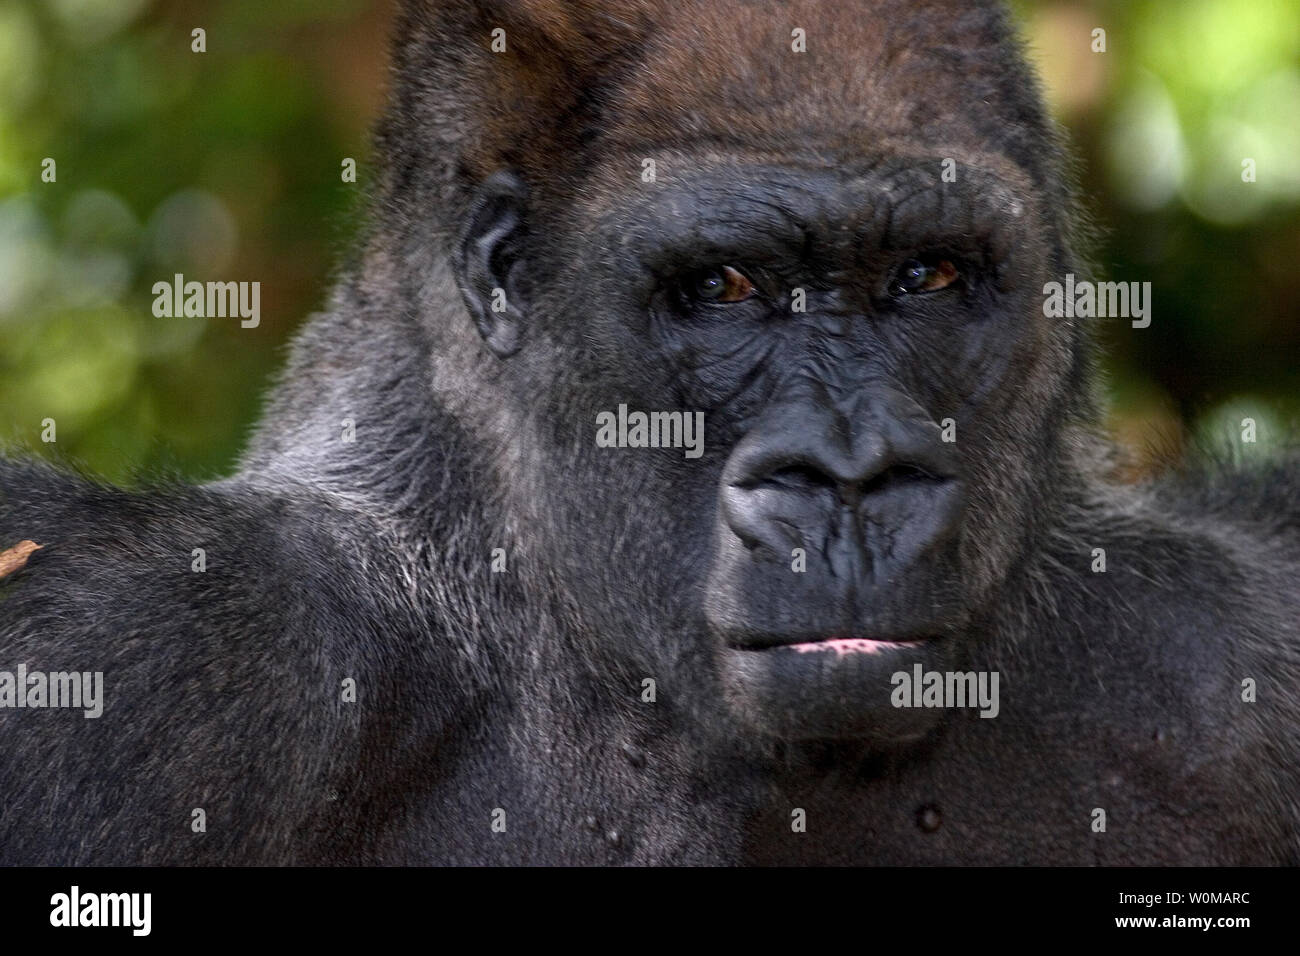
329 907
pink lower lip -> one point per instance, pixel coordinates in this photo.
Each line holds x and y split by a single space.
849 645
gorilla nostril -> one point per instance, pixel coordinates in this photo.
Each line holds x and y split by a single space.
897 476
800 478
808 479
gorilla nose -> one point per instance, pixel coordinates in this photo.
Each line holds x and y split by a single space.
865 484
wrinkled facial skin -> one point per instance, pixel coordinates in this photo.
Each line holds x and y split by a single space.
829 536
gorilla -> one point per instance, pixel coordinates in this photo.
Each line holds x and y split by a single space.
686 471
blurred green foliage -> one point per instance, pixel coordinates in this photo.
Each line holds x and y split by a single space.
225 165
1185 91
221 165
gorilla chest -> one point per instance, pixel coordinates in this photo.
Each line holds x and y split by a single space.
1046 795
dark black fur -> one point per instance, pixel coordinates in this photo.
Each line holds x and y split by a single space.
475 430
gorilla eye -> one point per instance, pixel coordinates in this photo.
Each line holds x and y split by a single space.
722 285
917 277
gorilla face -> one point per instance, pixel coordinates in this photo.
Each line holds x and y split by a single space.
882 395
873 367
836 553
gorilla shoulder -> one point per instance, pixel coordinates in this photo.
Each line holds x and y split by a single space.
107 556
214 624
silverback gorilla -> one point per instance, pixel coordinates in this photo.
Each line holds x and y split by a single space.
457 607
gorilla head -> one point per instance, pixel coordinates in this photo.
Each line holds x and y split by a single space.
824 229
829 238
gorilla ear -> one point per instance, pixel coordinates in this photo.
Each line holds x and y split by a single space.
485 255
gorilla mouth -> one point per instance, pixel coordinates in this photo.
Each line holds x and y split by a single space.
842 646
839 646
831 687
